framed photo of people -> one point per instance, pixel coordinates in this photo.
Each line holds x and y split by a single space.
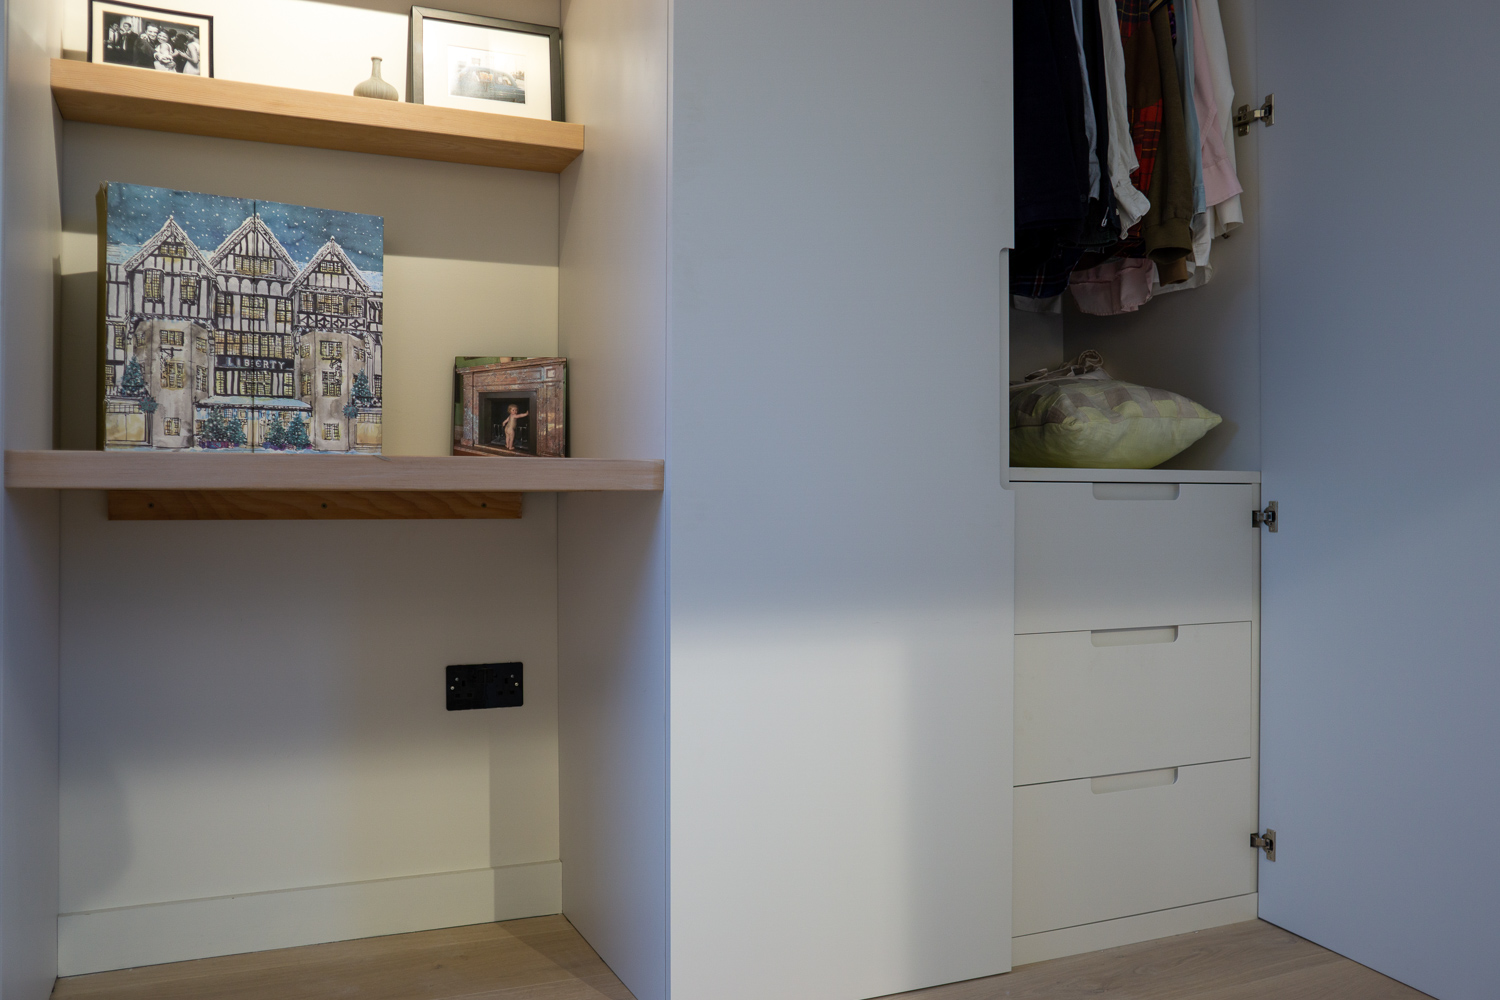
168 41
485 64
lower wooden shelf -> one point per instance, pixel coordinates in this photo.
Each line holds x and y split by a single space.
161 486
309 505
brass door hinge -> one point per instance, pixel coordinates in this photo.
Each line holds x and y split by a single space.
1265 842
1247 116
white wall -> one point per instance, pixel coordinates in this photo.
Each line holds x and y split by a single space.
840 541
307 44
28 539
280 726
612 547
255 751
1036 341
1204 342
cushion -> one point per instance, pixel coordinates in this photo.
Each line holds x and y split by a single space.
1080 418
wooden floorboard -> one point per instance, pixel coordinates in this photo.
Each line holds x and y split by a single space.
541 958
1247 961
544 958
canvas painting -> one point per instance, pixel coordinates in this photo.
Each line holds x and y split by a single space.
239 326
510 406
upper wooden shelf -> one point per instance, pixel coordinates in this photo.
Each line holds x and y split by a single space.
135 470
195 105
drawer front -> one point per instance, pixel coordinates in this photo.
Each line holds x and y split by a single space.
1090 703
1129 555
1083 855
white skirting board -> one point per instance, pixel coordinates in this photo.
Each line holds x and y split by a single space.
130 936
1130 930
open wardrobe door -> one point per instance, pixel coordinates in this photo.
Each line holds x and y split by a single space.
1381 586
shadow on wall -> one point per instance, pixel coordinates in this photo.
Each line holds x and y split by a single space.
256 706
828 750
450 211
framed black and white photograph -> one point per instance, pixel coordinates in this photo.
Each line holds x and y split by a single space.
485 64
168 41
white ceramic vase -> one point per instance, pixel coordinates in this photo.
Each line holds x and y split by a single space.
376 87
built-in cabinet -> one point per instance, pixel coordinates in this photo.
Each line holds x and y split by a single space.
844 706
1135 702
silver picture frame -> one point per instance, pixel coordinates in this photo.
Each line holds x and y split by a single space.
415 84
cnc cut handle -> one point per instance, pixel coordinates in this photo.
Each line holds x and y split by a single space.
1137 491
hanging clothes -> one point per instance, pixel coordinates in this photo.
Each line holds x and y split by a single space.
1052 148
1229 214
1090 118
1167 230
1158 129
1220 180
1161 74
1184 47
1114 287
1101 223
1143 86
1130 203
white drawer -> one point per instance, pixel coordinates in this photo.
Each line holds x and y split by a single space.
1092 703
1083 855
1127 555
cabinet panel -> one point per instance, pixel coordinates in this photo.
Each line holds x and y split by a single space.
1091 703
1130 555
1083 855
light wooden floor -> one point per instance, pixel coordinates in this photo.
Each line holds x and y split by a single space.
544 959
1248 961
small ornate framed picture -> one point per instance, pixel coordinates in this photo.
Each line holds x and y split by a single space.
169 41
485 64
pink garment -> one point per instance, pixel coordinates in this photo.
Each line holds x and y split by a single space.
1114 287
1220 183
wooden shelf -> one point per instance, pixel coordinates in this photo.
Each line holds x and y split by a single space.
198 486
167 102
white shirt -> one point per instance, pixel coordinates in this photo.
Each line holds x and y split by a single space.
1131 203
1090 126
1228 215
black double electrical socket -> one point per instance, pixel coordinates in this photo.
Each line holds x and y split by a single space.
485 685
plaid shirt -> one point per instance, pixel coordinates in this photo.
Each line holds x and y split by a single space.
1039 267
1144 99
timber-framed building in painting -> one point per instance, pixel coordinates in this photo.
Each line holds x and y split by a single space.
242 348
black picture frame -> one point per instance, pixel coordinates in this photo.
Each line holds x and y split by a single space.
206 43
414 60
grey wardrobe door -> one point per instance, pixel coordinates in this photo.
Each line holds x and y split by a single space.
1380 681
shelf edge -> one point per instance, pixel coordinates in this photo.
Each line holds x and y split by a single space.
231 109
99 470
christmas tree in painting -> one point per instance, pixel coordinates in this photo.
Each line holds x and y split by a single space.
233 325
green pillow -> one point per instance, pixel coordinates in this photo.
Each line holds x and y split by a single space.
1086 420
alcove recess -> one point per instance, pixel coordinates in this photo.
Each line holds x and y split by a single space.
154 486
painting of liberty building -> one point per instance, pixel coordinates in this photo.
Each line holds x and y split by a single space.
235 325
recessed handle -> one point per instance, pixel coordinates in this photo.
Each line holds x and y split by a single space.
1137 491
1133 636
1133 780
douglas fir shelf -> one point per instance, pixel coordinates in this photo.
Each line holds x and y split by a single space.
197 486
166 102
